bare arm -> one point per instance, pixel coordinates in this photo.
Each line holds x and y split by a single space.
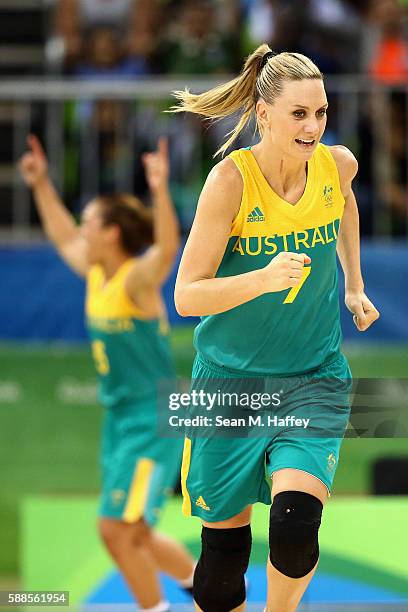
154 266
348 244
198 292
57 222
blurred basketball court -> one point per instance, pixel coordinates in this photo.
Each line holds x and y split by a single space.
360 566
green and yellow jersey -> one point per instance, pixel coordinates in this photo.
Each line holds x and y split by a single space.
131 351
295 330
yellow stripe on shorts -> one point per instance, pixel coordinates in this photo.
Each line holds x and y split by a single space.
139 490
185 468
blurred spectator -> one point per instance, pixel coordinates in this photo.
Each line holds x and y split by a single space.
262 21
389 59
332 34
326 30
278 22
73 17
386 60
135 22
146 32
107 122
109 143
195 44
229 17
382 180
104 56
334 14
395 190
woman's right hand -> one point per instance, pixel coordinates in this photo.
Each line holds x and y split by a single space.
284 271
33 165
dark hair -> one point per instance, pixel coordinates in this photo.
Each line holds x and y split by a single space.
134 220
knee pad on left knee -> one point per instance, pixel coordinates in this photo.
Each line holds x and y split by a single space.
293 533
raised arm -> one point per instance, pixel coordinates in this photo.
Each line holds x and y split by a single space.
154 266
56 220
198 292
348 244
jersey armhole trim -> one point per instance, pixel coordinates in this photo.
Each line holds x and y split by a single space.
240 167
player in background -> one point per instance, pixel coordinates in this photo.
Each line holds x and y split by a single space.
260 268
126 252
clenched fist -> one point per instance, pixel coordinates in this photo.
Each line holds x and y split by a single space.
284 271
364 311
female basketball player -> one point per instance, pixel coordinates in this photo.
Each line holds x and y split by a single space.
266 287
127 325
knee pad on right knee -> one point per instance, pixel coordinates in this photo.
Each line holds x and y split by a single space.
219 576
293 533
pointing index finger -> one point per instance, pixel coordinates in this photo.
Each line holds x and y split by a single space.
163 146
35 145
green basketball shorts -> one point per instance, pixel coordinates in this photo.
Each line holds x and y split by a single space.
226 469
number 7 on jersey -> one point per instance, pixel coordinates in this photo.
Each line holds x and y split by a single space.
295 290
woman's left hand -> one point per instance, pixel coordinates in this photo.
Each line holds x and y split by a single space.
156 165
364 311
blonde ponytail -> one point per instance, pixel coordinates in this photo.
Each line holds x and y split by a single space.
258 79
226 99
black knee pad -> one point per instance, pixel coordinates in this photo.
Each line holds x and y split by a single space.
293 533
219 576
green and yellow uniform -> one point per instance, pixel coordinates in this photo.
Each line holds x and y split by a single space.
132 355
293 333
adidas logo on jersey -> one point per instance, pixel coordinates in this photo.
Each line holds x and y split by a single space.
255 215
201 503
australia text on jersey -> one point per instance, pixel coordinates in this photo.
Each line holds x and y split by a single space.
291 241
